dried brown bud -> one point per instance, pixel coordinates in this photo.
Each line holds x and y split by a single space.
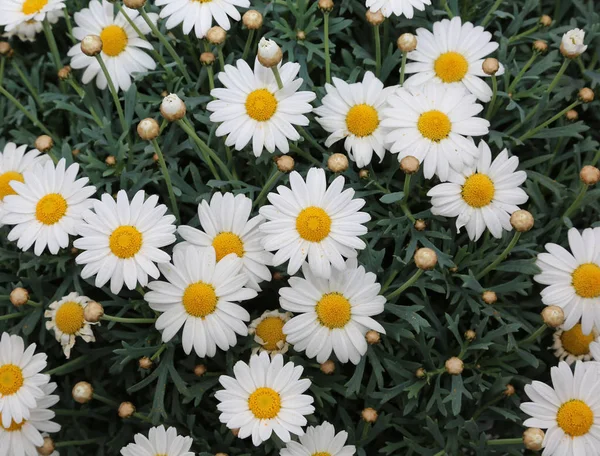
420 372
490 66
509 390
375 18
407 42
373 337
277 275
546 20
522 220
199 370
363 174
425 258
134 4
326 5
470 335
82 392
489 297
369 415
533 439
44 143
553 316
145 363
586 95
91 45
409 164
47 447
126 409
148 129
93 312
216 35
285 164
252 19
207 58
5 49
454 366
172 108
64 73
19 297
420 225
110 160
540 46
328 367
337 163
590 175
572 115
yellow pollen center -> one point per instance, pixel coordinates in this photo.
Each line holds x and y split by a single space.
226 243
5 180
334 310
69 317
362 120
125 241
13 426
51 208
114 40
261 105
575 342
575 418
451 67
265 403
322 453
478 190
313 224
586 280
11 379
199 299
33 6
434 125
270 330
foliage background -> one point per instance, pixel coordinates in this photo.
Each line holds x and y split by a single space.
440 414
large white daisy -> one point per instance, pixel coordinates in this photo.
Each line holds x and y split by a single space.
315 222
353 112
122 240
265 397
482 196
15 12
568 410
226 227
572 345
26 31
432 123
200 295
47 206
452 54
122 48
573 279
335 313
397 7
160 441
252 107
320 441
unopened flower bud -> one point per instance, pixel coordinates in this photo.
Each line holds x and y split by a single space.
454 366
216 35
126 409
134 4
546 20
522 220
489 297
363 174
5 49
409 164
76 152
300 35
553 316
110 160
269 53
407 42
540 46
47 447
420 225
369 415
252 19
586 95
470 335
145 363
91 45
337 163
326 5
19 297
221 454
82 392
148 129
277 276
199 370
572 115
425 258
207 58
235 432
93 312
571 45
285 164
490 66
590 175
373 337
172 108
420 372
328 367
375 18
44 143
509 390
533 439
155 157
64 73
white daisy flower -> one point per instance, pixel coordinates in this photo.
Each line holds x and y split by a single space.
431 123
572 345
320 441
24 438
336 313
122 48
572 42
265 397
228 228
199 14
123 239
15 12
252 107
453 54
482 196
397 7
26 31
311 220
567 411
268 332
160 441
200 295
68 322
20 379
573 278
47 206
353 112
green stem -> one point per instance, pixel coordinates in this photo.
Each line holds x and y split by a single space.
500 257
389 280
515 441
561 71
326 47
518 77
249 41
2 64
490 108
13 315
69 25
68 443
81 94
533 336
304 154
377 51
267 187
403 67
52 43
209 70
34 304
67 366
221 57
27 83
531 133
165 172
277 76
405 285
488 16
404 203
311 140
524 34
158 352
573 207
448 10
128 320
30 116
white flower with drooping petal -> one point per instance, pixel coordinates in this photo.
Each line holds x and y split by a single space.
397 7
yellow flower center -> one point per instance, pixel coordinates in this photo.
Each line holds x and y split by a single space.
451 67
33 6
575 418
575 342
586 280
203 1
125 241
199 299
434 125
51 208
69 317
478 190
270 330
362 120
114 40
261 105
265 403
322 453
226 243
5 180
13 426
11 379
313 224
334 310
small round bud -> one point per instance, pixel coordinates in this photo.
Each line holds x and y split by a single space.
572 115
420 372
235 432
134 4
369 415
47 447
91 45
489 297
373 337
425 258
453 269
5 49
110 160
126 409
76 152
64 73
199 370
546 20
164 93
590 175
148 129
172 108
277 276
145 363
337 163
586 95
470 335
269 53
409 164
328 367
522 220
533 438
407 42
326 5
74 250
216 35
553 316
540 46
420 225
490 66
207 58
454 366
375 18
252 19
155 157
82 392
509 390
363 174
285 163
44 143
19 297
93 312
300 35
221 454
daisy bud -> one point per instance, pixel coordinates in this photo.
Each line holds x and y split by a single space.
369 415
221 454
509 390
126 409
43 143
454 366
337 163
590 175
546 20
74 250
145 363
328 367
521 220
285 164
420 225
93 312
470 335
19 297
148 129
47 447
91 45
110 160
409 165
540 46
490 66
373 337
571 45
207 58
199 370
572 115
76 152
277 276
326 5
300 35
533 438
425 258
155 157
407 42
420 372
553 316
586 95
235 432
363 174
252 19
489 297
375 18
269 53
64 73
5 48
82 392
164 93
216 35
172 108
134 4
